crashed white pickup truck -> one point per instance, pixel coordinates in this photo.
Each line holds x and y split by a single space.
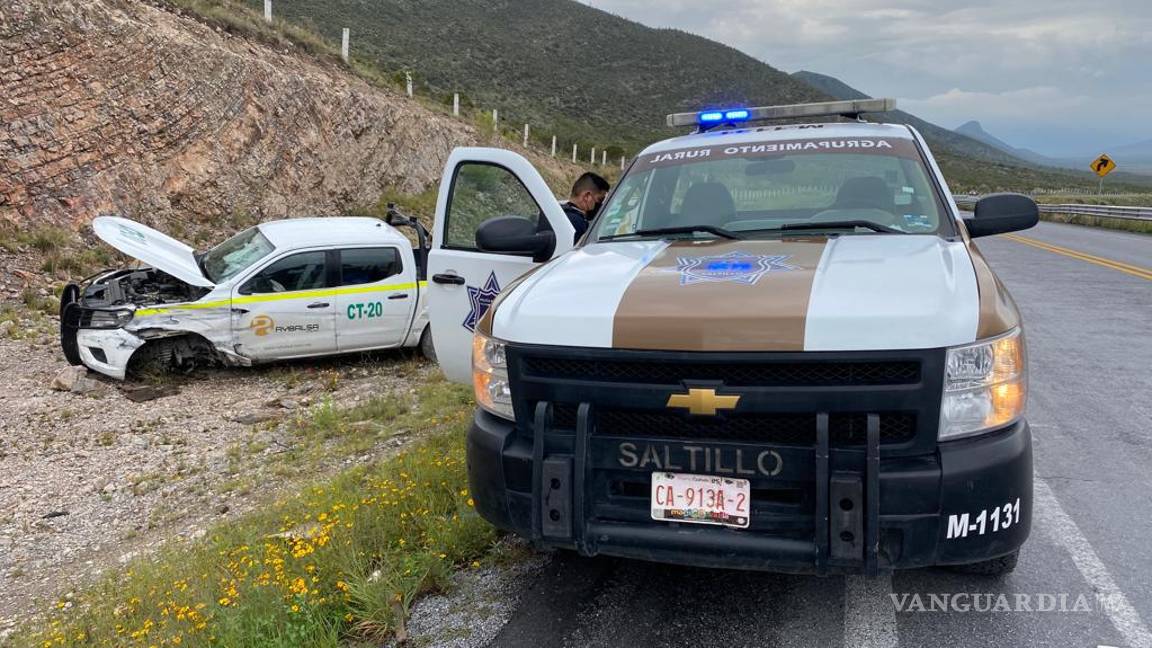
284 289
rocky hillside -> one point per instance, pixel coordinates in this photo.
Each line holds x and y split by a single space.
121 106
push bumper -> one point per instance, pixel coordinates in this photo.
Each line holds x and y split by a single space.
856 511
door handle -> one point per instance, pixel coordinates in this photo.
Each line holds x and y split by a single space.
400 296
240 311
319 305
454 279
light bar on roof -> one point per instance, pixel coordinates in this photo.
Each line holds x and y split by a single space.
727 116
852 108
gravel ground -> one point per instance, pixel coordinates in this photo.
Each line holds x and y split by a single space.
478 603
89 481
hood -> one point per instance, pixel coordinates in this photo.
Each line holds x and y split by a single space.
154 248
848 293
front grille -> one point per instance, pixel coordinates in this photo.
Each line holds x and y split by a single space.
768 428
777 374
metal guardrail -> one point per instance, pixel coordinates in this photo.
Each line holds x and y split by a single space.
1107 211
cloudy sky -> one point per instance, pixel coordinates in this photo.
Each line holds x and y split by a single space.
1062 77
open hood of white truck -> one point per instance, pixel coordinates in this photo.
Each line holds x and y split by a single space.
154 248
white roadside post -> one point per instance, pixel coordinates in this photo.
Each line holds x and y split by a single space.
344 45
455 104
553 146
408 79
604 158
574 154
267 10
621 162
592 157
495 120
525 136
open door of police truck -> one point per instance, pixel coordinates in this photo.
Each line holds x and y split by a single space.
496 219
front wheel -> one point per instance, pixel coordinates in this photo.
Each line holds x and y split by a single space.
426 347
994 567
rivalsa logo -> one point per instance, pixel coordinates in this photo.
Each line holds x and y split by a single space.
262 325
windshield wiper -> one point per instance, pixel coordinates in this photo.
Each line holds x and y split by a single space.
844 224
685 229
875 227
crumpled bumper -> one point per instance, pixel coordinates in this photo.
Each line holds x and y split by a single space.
107 351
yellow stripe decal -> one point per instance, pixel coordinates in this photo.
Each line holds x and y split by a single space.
1135 271
274 297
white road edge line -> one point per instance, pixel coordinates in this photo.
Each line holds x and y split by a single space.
869 614
1064 532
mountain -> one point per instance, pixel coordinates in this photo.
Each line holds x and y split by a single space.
1134 157
562 66
583 74
938 138
973 159
976 131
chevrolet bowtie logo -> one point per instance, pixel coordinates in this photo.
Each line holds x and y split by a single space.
703 402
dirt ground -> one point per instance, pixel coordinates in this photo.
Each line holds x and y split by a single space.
88 481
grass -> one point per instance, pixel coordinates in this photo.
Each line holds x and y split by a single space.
42 238
339 562
1122 224
1113 200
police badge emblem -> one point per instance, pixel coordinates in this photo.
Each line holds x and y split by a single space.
737 267
480 300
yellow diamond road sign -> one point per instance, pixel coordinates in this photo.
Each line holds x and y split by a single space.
1103 165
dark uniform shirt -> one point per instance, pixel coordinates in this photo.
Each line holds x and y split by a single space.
577 218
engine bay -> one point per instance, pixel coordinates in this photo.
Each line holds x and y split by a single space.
145 286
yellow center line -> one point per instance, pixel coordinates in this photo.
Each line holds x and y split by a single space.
1136 271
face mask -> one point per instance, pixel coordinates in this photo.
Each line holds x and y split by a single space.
595 210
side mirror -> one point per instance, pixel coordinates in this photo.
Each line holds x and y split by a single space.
1002 213
515 235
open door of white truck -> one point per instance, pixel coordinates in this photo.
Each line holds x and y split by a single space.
479 184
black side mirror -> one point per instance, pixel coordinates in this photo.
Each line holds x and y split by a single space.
515 235
1002 213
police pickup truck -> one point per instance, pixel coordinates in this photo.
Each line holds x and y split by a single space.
777 347
293 288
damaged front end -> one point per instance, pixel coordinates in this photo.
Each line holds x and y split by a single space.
106 319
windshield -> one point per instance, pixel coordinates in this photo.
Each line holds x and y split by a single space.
865 185
234 255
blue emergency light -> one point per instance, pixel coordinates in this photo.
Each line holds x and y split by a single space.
722 116
851 109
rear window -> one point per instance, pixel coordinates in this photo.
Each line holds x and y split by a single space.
368 265
757 187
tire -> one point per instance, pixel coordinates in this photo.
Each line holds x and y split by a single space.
69 319
994 567
426 347
175 355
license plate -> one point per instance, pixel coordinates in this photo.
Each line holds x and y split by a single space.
700 499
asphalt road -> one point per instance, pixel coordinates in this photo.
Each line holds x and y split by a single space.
1091 546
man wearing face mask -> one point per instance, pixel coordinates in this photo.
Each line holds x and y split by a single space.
587 195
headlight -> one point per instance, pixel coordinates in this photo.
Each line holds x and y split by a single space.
985 386
107 319
490 376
